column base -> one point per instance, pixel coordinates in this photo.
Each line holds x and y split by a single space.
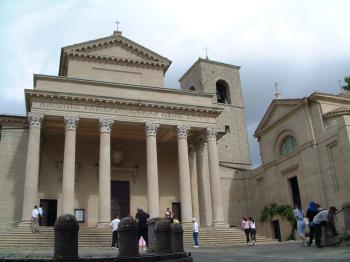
220 224
103 225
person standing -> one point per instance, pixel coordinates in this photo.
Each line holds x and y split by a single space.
35 220
114 225
41 214
299 217
323 218
195 232
141 219
252 230
168 214
246 227
310 214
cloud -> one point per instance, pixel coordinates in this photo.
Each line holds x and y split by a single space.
304 45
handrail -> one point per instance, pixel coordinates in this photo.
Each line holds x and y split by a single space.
11 222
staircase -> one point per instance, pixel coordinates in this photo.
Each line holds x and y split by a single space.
88 237
221 236
93 237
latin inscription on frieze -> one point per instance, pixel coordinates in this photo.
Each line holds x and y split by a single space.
120 112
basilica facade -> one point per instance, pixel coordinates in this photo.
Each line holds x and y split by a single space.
105 137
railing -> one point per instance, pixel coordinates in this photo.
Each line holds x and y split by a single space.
5 226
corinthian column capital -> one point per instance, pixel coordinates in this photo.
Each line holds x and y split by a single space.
71 122
105 125
182 131
211 133
35 119
151 128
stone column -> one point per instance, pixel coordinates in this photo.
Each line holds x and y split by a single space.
105 173
204 196
68 181
184 175
194 181
152 169
32 166
215 181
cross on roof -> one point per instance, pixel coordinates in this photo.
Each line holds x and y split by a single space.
117 22
206 52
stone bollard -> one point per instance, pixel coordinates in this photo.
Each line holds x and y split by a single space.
162 231
151 235
128 238
177 243
346 212
66 238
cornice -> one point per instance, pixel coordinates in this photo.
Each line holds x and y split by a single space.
268 114
344 97
337 112
104 58
151 57
119 85
13 119
214 111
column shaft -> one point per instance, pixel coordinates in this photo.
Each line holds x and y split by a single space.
184 175
204 195
215 181
68 180
194 183
152 169
105 173
30 197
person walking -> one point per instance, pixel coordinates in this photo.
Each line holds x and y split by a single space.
195 232
114 225
141 219
299 217
41 214
35 220
252 230
310 214
246 227
324 218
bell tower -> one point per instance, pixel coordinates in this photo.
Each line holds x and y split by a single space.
223 81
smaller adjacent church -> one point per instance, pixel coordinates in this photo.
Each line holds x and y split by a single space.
105 137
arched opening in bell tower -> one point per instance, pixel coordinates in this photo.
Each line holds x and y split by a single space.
222 92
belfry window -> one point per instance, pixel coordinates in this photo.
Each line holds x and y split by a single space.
222 92
192 88
288 145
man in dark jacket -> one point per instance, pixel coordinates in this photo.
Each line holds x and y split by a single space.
141 219
310 214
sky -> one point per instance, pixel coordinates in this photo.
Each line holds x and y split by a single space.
302 45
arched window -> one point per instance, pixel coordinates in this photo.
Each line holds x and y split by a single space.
192 88
288 145
222 92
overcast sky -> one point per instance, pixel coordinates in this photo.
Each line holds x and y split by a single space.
303 45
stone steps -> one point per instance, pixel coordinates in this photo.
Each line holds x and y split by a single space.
220 236
93 237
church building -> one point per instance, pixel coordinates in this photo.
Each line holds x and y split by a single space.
106 137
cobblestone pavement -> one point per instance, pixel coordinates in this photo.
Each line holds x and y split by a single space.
260 252
273 252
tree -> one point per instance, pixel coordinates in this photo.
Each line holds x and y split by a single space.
347 81
284 211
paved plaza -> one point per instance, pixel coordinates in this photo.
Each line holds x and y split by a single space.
291 251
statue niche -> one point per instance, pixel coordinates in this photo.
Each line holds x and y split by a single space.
117 155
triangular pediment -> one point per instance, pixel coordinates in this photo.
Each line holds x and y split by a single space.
277 110
115 48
